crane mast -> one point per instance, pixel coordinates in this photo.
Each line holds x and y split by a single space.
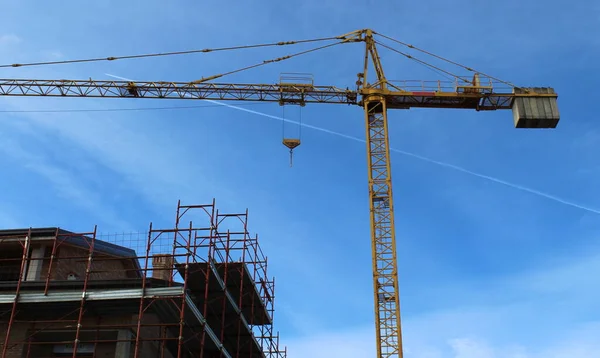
383 237
388 328
532 108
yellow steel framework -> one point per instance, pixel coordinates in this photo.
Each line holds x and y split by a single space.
532 108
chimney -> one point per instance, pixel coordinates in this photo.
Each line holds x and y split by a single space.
162 267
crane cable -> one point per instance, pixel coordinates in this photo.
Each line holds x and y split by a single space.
291 143
444 59
174 53
283 123
427 66
266 62
422 62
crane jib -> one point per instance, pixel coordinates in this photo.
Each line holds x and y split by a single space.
178 90
284 94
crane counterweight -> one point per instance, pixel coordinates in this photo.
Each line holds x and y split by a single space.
535 112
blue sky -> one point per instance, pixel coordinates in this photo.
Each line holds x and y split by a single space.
486 269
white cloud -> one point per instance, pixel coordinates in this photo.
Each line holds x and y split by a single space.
52 55
348 343
576 343
468 348
546 321
9 39
359 343
562 348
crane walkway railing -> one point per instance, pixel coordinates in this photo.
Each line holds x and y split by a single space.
479 84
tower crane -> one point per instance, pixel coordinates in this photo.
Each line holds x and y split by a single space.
533 107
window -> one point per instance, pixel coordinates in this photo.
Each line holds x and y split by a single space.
10 263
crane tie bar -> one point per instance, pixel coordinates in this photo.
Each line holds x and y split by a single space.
174 53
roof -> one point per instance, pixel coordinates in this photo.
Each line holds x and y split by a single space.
72 239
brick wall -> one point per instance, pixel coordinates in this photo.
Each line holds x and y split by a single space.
45 340
73 260
17 333
150 347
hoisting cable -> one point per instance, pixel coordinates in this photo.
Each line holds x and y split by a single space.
291 143
300 125
266 62
283 122
174 53
422 62
288 142
444 59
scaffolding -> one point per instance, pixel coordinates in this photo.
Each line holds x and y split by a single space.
198 289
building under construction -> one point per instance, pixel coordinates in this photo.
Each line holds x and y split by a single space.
198 289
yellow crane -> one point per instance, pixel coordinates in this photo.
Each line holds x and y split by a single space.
532 108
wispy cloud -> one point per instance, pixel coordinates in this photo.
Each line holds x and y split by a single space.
507 318
147 161
52 55
580 342
7 219
409 154
9 39
64 183
420 157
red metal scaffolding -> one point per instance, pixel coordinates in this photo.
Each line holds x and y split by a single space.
198 289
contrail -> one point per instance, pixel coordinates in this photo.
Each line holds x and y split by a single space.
409 154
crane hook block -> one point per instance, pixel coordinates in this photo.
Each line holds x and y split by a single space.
291 143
